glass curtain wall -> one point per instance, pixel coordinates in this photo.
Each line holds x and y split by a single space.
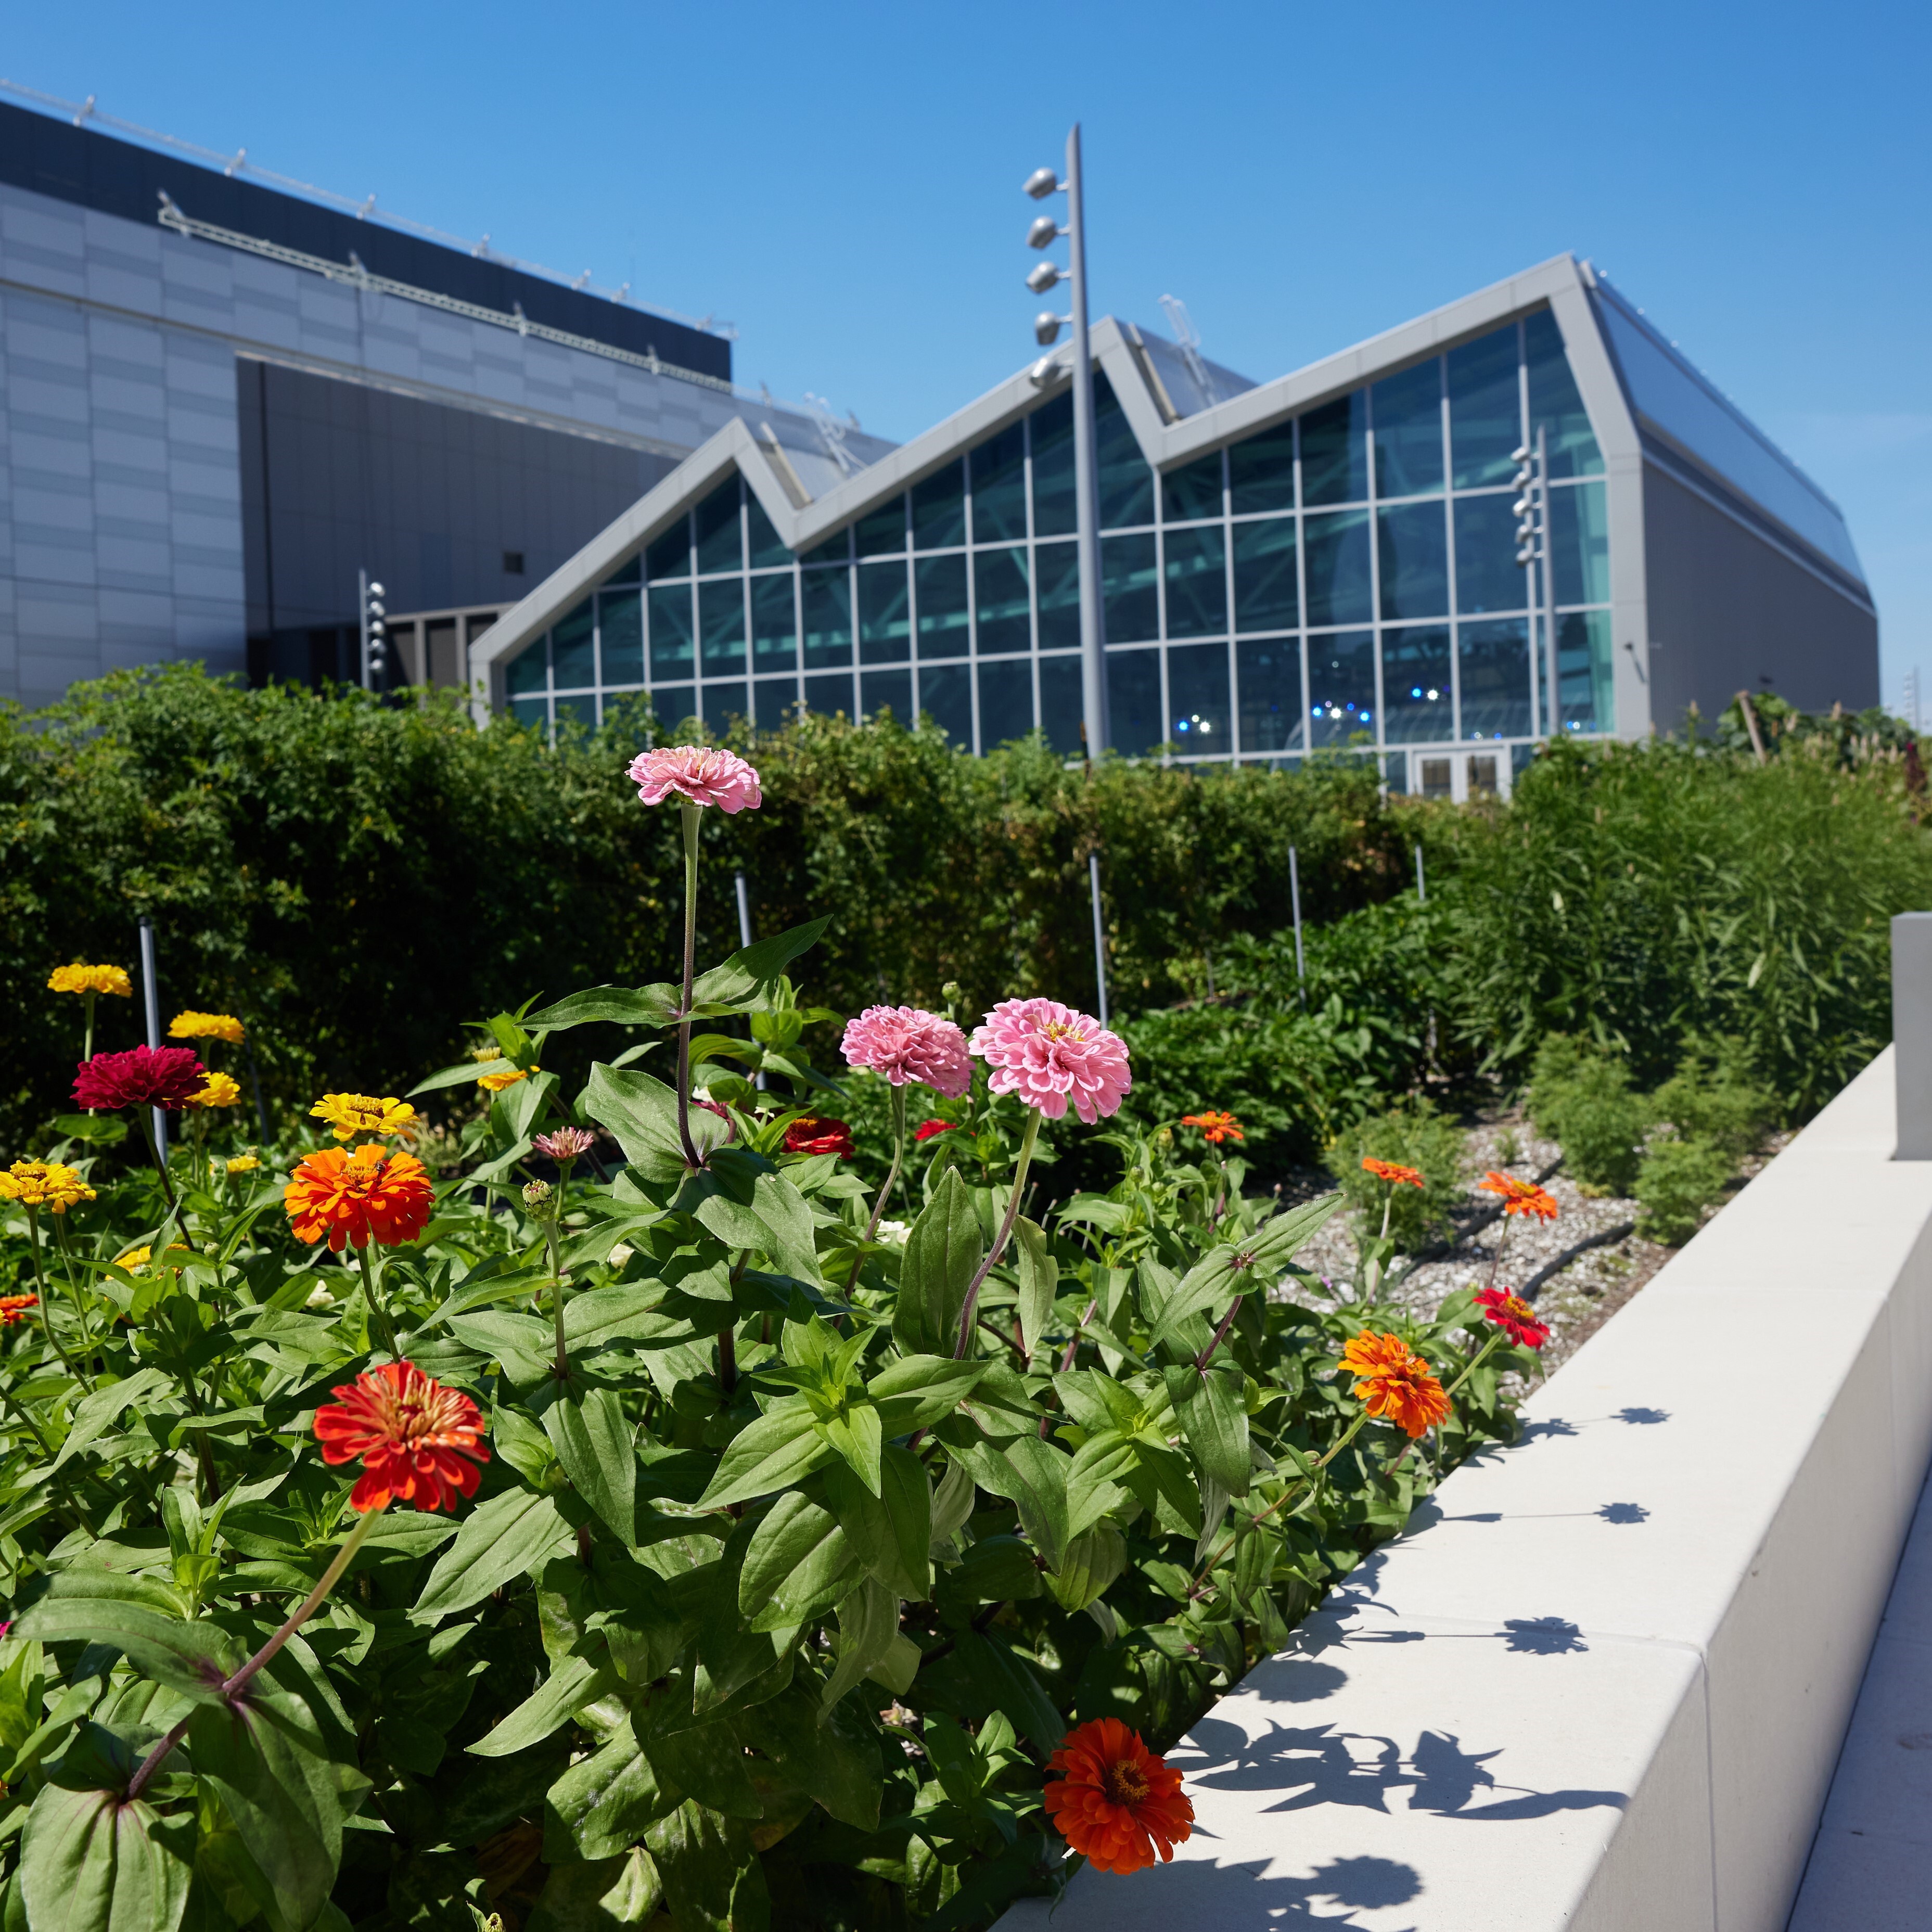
1345 580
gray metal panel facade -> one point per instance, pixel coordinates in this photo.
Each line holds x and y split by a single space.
1731 612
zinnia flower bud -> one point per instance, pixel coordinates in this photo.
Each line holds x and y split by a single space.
144 1076
536 1198
563 1143
1049 1054
906 1043
696 773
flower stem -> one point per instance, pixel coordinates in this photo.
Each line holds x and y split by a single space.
1207 1354
47 1304
554 1244
377 1312
1476 1361
87 1030
960 1347
891 1176
1315 1468
688 813
234 1685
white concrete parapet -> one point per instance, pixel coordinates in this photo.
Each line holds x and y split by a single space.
1602 1682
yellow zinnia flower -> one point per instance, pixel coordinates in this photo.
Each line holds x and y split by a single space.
495 1083
80 979
44 1183
243 1163
136 1259
217 1090
353 1114
205 1026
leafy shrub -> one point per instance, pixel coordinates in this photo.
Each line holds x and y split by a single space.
1416 1135
1583 1099
1712 1097
1679 1179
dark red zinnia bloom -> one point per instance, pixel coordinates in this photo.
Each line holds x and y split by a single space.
811 1133
1514 1316
926 1129
144 1076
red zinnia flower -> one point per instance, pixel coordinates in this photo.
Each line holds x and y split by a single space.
1388 1170
811 1134
352 1197
1519 1197
412 1434
1118 1803
143 1076
1215 1128
13 1308
926 1129
1514 1315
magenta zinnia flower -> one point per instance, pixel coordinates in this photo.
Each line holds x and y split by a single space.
904 1043
697 773
1048 1054
144 1076
565 1143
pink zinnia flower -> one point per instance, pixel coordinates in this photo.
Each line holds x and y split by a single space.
904 1043
1048 1055
565 1143
144 1076
697 773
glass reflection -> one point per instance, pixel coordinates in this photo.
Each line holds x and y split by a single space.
672 630
1266 597
1580 525
1408 412
1061 702
773 701
1339 585
1006 703
944 629
1584 670
1197 582
882 532
885 615
1197 698
620 629
774 624
1414 559
1334 450
721 546
573 655
939 509
1342 687
669 555
724 705
766 550
1053 497
828 620
945 694
1417 705
529 671
1260 471
1493 666
720 624
1485 409
1057 581
1273 715
1004 618
1133 701
829 697
1488 576
887 691
1126 483
1193 492
998 469
1555 407
1129 589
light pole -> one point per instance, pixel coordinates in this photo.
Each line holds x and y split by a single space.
375 660
1041 183
1534 546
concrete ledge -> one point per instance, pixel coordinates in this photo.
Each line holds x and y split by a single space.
1602 1682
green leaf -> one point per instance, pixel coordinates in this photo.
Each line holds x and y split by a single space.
575 1682
1092 1564
513 1534
523 1344
699 1856
1213 1412
952 1501
1010 1684
869 1628
89 1862
465 1072
598 1893
856 1433
93 1607
642 1112
613 1006
1101 1464
1032 1475
593 1441
799 1562
783 1447
758 1209
707 1762
98 1412
1040 1281
745 974
943 1252
835 1758
917 1390
625 1311
890 1534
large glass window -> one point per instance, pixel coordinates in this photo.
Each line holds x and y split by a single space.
1485 409
1197 582
828 621
620 625
1340 589
1260 471
1193 491
766 549
887 691
1580 525
1409 431
1417 699
1554 406
946 694
1493 669
774 624
885 615
1129 589
829 695
1053 496
883 532
573 650
1133 701
1056 572
1197 688
1414 539
939 509
529 671
1061 702
1266 597
1334 452
720 626
670 555
1488 576
943 631
1583 670
1268 675
1006 702
672 630
1342 681
1126 483
721 546
724 705
1005 619
773 701
999 486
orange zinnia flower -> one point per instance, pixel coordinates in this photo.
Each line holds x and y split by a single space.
1118 1803
1387 1170
1393 1384
412 1434
353 1197
1215 1127
13 1308
1519 1197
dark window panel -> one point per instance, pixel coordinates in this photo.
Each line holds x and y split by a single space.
1274 717
670 555
1197 698
1408 412
580 713
1057 574
1133 701
883 532
534 712
620 624
945 695
1554 406
1004 619
773 700
674 705
1334 450
721 542
1485 409
1126 483
720 624
885 615
1006 702
1197 582
626 573
1341 686
1192 492
939 509
944 629
833 550
1583 671
1129 590
529 671
887 691
999 486
1488 576
573 657
766 550
671 631
1053 496
1494 671
723 706
1061 702
1339 585
774 623
828 619
1260 471
1579 518
1266 597
1414 539
1416 698
829 697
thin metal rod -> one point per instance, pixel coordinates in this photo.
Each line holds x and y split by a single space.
1549 581
151 996
1099 936
1086 481
1421 882
745 937
362 619
1295 900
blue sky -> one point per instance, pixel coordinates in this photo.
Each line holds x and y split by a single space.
842 181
